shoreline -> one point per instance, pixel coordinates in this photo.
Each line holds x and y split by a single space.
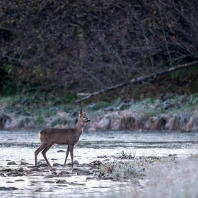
148 114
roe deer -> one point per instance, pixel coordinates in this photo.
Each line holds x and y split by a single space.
70 137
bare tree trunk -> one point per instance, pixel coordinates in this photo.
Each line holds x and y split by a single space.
136 80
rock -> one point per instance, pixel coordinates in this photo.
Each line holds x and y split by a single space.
49 182
56 164
81 171
63 173
102 156
130 120
49 176
32 166
115 121
37 174
5 121
104 123
14 173
34 169
192 125
24 163
53 169
61 151
19 180
43 164
2 175
6 170
61 181
156 123
20 169
76 184
11 163
29 172
172 155
89 178
8 188
96 162
76 162
54 173
19 174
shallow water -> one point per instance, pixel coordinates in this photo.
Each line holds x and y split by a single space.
20 145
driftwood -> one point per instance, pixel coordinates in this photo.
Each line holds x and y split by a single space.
136 80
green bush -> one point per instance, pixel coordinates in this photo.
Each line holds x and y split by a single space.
9 87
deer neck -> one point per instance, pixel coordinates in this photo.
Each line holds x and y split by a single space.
79 127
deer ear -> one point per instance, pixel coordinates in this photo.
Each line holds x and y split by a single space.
80 112
87 112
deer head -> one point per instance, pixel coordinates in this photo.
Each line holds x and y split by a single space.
83 117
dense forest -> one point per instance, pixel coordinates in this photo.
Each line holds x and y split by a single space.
67 47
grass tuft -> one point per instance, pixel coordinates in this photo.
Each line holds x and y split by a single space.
165 177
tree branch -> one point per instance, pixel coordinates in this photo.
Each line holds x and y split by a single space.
137 80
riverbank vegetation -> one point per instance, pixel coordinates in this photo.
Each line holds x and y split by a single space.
163 177
169 113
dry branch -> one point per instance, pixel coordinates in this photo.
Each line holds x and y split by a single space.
137 80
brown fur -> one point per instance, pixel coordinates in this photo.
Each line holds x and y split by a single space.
70 137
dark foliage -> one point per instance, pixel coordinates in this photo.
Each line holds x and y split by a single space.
83 46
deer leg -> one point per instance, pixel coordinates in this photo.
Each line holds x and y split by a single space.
71 148
67 153
44 153
38 151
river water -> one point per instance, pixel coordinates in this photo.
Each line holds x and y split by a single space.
20 145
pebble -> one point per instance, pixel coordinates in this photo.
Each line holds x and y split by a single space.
64 173
56 164
29 172
24 163
43 164
6 170
61 181
81 171
102 156
37 174
76 162
49 176
48 181
21 169
76 184
19 180
11 163
19 174
34 169
61 151
89 178
8 188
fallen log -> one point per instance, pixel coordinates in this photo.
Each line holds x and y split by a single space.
137 80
